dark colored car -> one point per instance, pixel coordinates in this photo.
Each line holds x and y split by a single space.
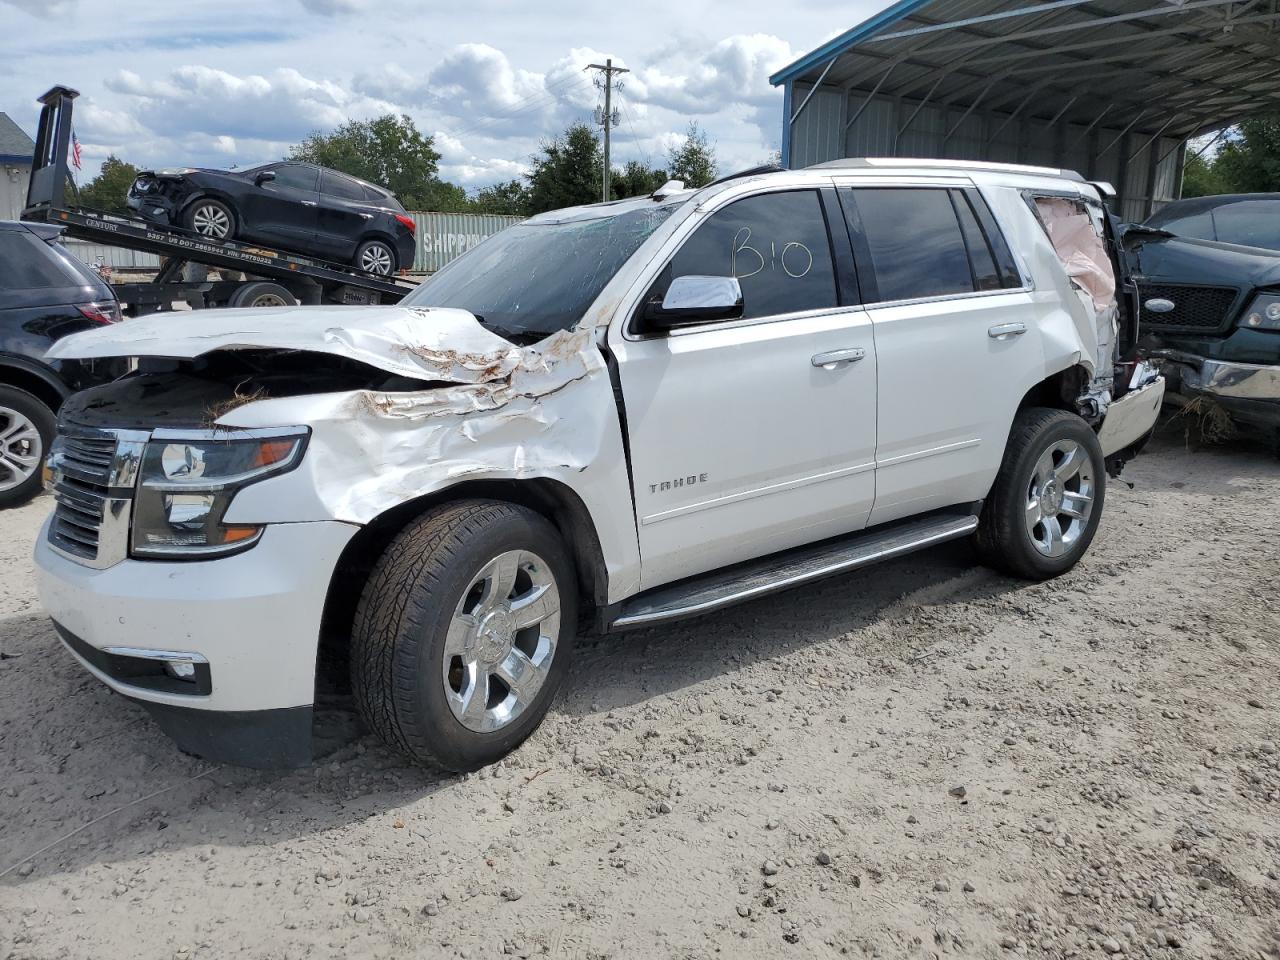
45 294
1248 219
295 206
1212 312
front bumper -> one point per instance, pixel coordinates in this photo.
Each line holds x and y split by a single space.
249 623
153 207
1250 392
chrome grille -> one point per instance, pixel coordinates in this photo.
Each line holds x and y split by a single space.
93 474
83 471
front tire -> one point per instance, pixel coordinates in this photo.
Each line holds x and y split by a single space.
464 633
1045 505
210 218
26 432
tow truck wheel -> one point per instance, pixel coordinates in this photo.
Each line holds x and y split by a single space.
26 431
1044 507
262 293
463 633
210 218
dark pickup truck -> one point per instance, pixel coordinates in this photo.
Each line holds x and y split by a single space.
1211 311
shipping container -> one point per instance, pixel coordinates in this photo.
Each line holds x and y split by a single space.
443 236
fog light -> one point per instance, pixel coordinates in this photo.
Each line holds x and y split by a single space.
180 669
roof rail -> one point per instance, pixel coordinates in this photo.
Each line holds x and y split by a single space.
868 163
749 172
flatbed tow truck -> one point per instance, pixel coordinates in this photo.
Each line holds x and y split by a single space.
273 277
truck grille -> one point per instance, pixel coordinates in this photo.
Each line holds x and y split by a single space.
93 476
1204 309
81 491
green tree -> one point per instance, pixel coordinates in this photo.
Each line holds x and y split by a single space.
108 190
389 151
635 180
1249 162
1200 179
694 161
566 171
507 199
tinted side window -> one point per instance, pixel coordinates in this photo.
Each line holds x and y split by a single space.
776 244
985 275
376 196
1254 223
296 175
26 264
915 242
1198 226
336 185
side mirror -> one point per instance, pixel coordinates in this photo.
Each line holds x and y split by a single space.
694 299
266 176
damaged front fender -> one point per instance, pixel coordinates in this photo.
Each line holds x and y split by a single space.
462 404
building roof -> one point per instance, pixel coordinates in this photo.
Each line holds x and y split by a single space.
14 144
1179 67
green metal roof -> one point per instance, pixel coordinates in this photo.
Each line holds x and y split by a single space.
1175 66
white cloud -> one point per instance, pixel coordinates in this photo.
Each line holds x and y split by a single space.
490 80
329 8
41 8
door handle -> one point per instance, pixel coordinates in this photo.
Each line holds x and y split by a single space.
1005 331
832 357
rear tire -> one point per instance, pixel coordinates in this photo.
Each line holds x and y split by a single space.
210 218
464 633
262 293
1046 503
27 427
377 257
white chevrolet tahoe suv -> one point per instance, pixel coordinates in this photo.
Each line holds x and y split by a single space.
628 412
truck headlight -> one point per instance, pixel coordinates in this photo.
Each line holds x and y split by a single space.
186 485
1264 312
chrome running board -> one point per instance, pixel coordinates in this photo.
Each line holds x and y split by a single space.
780 571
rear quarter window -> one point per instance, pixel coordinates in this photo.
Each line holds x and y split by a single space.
26 263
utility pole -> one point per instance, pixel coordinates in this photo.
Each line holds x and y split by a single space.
609 117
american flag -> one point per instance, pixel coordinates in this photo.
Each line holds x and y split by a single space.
75 150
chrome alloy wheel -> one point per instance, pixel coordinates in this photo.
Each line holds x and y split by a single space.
501 641
1060 498
21 449
376 259
210 220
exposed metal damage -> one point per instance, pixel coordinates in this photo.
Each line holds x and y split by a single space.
496 409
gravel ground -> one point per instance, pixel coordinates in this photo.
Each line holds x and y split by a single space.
921 759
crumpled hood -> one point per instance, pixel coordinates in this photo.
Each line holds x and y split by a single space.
1189 260
425 343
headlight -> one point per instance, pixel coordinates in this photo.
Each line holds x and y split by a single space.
186 485
1264 312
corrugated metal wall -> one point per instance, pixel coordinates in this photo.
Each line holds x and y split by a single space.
440 238
117 257
443 236
820 134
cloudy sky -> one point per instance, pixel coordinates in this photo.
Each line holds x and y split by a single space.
239 81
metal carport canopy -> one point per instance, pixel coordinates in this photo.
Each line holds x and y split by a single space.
1097 84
